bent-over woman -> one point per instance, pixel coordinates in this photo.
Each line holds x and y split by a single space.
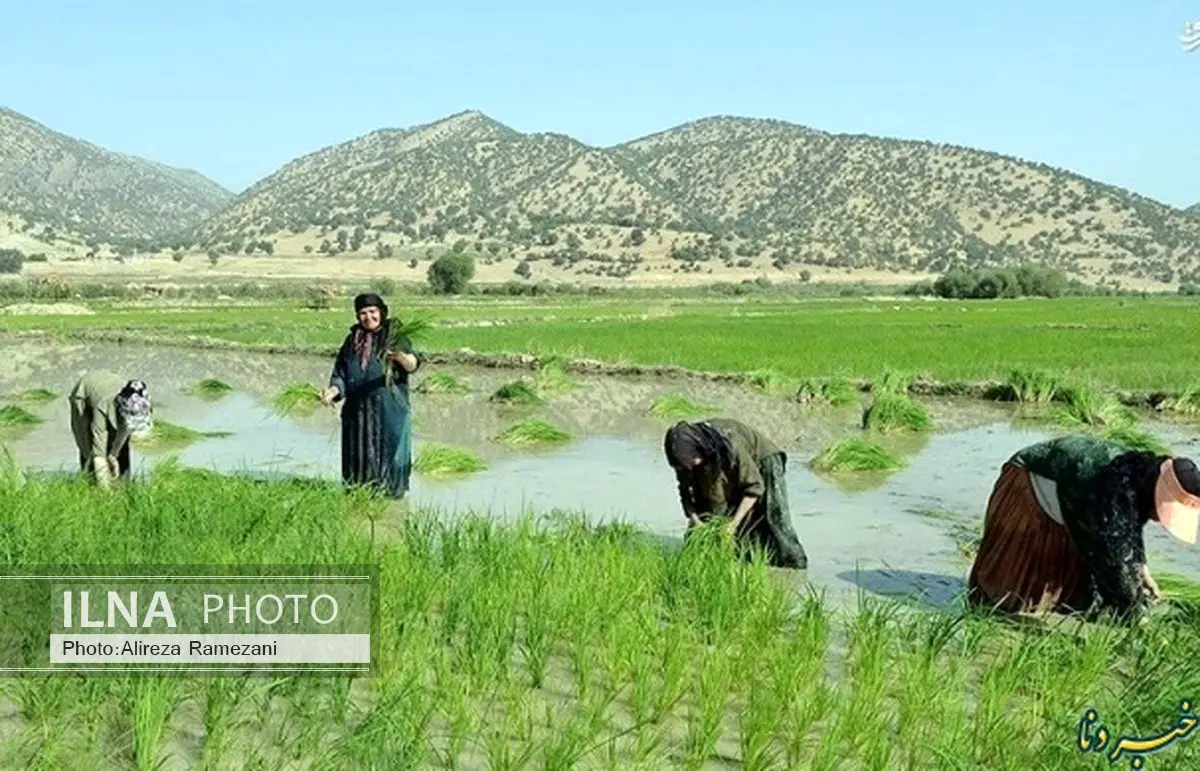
370 379
725 468
106 412
1064 527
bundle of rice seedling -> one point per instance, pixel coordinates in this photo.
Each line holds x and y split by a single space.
164 432
1034 386
1187 402
893 412
12 415
1089 408
297 399
838 392
516 392
440 460
34 396
532 432
210 388
442 383
674 407
552 376
1135 438
855 454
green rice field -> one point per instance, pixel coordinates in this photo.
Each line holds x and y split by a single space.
554 643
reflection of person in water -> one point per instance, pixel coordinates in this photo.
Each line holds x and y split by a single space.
1064 527
106 411
370 377
726 468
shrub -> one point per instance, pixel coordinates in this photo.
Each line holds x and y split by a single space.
451 273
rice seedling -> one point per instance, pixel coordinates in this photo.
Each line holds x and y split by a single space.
674 406
1178 587
532 432
893 382
1085 407
770 382
13 416
33 395
552 377
442 383
517 392
211 389
297 399
890 412
167 433
440 460
855 453
1136 438
836 392
1034 386
153 704
1186 402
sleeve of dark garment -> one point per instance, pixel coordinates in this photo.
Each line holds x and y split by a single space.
337 379
747 477
686 497
1107 530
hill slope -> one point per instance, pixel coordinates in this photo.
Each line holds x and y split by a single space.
81 192
760 195
1193 210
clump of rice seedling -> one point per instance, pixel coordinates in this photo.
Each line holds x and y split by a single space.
414 327
1135 438
892 411
893 382
675 406
34 395
838 392
1087 407
441 460
516 392
769 382
211 388
855 453
1178 588
527 432
552 376
297 399
1034 386
442 383
12 415
1187 402
164 432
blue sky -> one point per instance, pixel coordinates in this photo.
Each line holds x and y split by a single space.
234 90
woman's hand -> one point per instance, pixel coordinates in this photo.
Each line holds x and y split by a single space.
406 360
328 395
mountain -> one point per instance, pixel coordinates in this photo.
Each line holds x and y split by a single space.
725 192
55 188
1193 210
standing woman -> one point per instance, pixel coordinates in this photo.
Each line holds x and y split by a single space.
106 412
370 378
1064 527
725 468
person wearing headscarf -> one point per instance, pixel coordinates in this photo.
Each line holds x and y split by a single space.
1064 527
107 411
370 380
725 468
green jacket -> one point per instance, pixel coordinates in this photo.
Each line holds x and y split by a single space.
94 413
709 490
1098 491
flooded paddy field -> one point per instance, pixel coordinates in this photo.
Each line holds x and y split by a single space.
893 534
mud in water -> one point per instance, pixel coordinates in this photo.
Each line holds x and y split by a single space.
893 534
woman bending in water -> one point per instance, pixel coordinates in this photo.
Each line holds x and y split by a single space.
1064 527
721 464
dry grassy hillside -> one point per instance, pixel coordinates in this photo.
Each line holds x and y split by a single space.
64 194
758 197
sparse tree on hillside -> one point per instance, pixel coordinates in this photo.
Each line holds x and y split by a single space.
11 261
523 269
451 273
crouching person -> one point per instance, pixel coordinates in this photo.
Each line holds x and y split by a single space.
107 411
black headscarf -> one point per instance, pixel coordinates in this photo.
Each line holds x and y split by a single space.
368 300
685 441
